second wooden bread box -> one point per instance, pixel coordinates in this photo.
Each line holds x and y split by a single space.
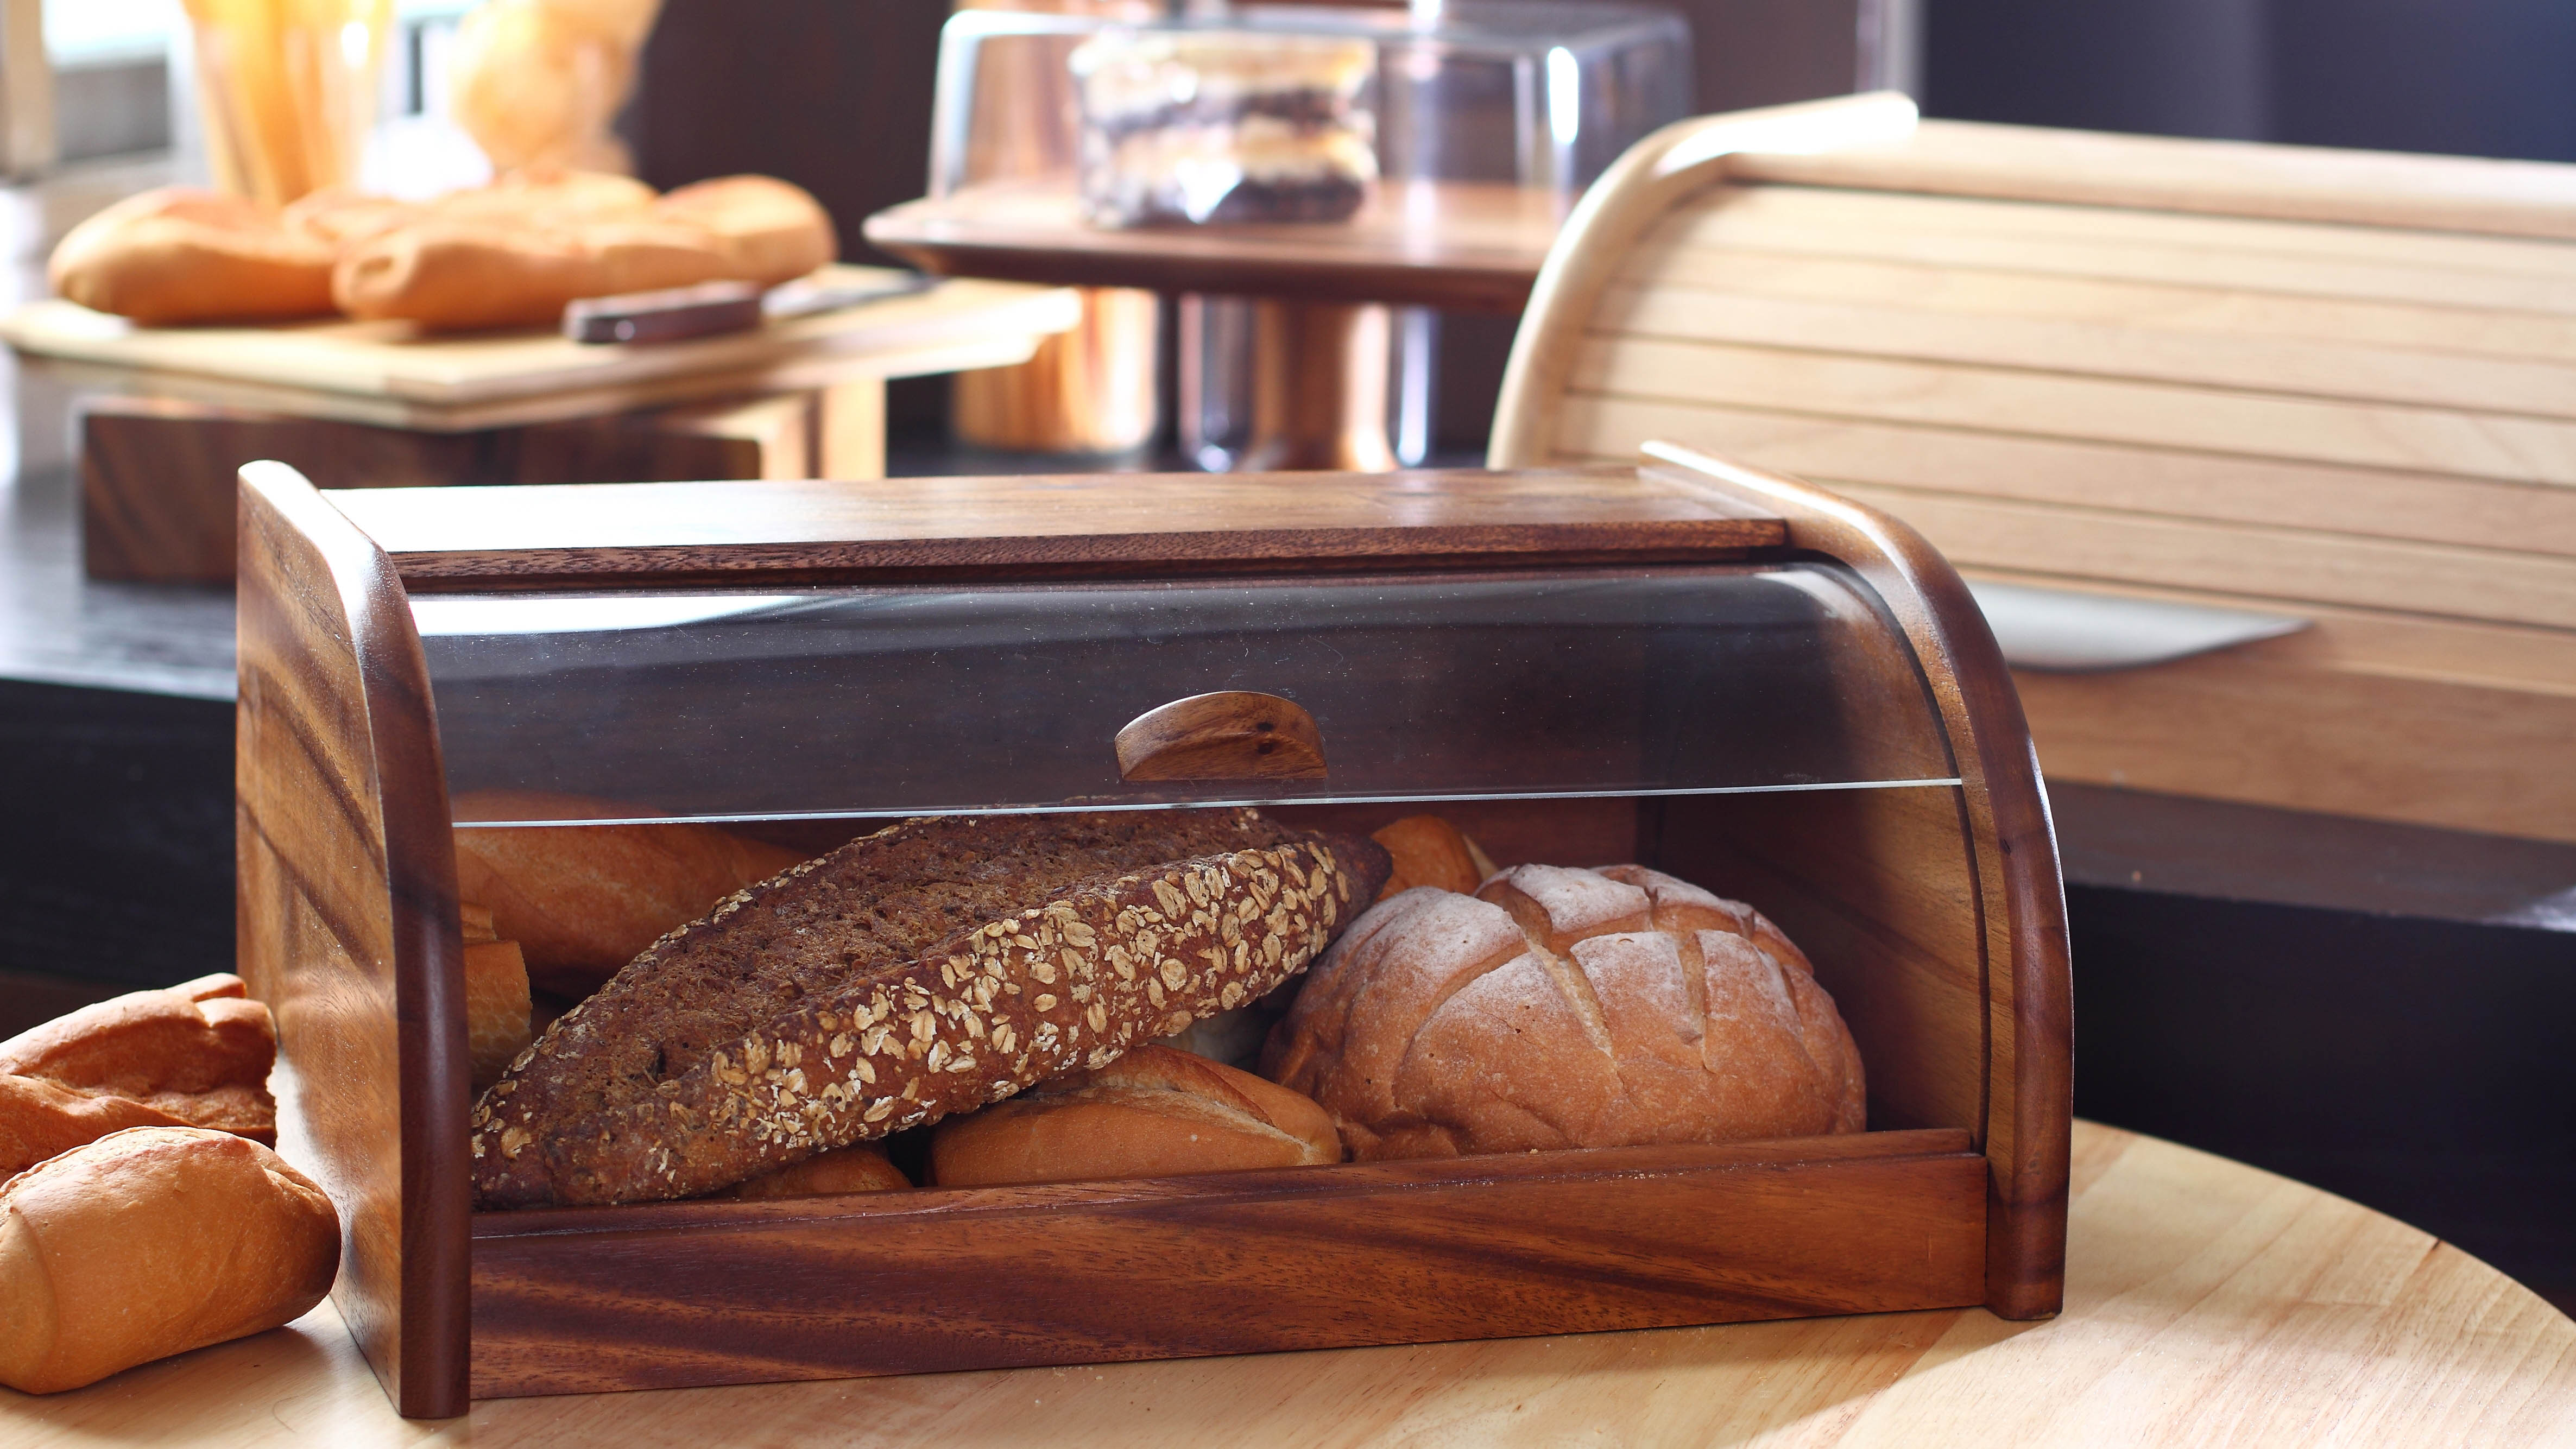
1723 674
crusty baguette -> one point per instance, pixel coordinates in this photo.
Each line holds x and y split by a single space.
1567 1008
497 1009
859 1168
199 1052
583 900
1154 1112
179 255
928 969
1428 851
152 1242
41 1119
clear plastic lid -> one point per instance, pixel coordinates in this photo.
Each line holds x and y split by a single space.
918 700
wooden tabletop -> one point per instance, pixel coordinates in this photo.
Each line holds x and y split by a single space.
2206 1303
383 373
1460 246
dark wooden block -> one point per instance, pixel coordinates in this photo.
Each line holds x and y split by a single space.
157 476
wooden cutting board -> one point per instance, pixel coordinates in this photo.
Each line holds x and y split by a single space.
384 373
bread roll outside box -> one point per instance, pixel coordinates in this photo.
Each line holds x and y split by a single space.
1720 674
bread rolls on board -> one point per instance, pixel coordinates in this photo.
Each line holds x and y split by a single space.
583 900
459 272
199 1053
769 231
152 1242
505 255
1566 1008
1154 1112
341 215
927 969
181 255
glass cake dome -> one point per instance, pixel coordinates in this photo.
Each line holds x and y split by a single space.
1218 114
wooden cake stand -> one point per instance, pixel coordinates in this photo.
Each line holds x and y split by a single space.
1323 291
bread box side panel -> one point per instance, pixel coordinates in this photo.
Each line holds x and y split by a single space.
584 1300
346 922
2019 897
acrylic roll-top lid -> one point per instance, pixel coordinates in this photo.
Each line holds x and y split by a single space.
946 699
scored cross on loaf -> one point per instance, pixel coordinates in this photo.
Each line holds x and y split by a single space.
1567 1008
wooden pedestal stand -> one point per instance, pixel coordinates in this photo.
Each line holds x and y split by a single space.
1321 329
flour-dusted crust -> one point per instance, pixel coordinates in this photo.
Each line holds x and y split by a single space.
1070 979
1567 1008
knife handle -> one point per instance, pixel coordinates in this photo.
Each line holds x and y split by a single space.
700 311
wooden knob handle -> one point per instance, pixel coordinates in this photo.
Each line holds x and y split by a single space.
1235 734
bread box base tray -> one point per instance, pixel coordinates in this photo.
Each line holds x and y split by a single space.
582 1300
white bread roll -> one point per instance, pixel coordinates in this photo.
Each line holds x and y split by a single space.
151 1242
199 1052
1154 1112
1566 1008
179 254
41 1119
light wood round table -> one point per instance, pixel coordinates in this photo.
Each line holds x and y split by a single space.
2207 1303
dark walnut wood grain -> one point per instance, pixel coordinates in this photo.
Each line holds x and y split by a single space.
1458 246
347 923
575 1301
2020 897
158 475
1234 734
1089 526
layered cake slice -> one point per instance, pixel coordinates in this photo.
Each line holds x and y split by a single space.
1198 127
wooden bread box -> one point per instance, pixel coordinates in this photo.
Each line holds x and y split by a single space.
1721 673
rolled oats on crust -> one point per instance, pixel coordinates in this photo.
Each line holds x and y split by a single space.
927 969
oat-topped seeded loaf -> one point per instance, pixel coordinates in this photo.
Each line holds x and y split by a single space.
930 968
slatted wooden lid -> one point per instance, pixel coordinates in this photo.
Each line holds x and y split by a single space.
2334 384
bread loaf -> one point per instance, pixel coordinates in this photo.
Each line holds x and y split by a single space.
1154 1112
151 1242
862 1168
198 1053
927 969
583 900
1428 851
1566 1008
180 255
